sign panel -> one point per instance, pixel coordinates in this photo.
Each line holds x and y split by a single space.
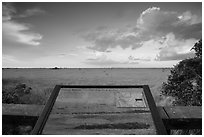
130 99
93 110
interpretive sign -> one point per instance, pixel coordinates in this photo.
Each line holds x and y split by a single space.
96 109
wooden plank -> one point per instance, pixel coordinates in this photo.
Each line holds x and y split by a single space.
22 110
46 111
164 117
14 115
101 86
132 123
161 130
184 112
176 117
182 117
162 113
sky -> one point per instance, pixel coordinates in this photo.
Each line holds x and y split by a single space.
95 35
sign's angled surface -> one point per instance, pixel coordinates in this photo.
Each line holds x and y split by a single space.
107 110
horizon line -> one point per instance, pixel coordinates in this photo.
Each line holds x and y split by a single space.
85 67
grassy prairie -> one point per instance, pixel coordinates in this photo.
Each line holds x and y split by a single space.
42 81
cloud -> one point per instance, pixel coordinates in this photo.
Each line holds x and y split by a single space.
158 36
101 62
132 58
15 31
115 57
102 40
62 55
166 56
107 62
152 24
186 32
174 33
175 49
20 32
72 54
189 19
7 11
153 18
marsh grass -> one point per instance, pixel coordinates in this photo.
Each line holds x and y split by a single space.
12 94
42 81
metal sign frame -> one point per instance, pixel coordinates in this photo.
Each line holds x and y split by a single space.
160 128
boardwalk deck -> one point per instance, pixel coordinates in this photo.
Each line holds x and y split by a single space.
191 117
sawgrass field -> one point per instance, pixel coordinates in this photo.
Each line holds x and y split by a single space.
43 80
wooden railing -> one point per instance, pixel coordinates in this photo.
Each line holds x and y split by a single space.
181 117
177 117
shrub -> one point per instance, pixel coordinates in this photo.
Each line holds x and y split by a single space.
185 81
20 94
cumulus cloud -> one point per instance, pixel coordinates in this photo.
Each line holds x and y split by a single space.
115 56
187 32
102 40
189 19
154 22
170 33
15 31
175 49
153 19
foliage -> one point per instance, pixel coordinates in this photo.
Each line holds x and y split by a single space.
185 81
20 94
198 49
